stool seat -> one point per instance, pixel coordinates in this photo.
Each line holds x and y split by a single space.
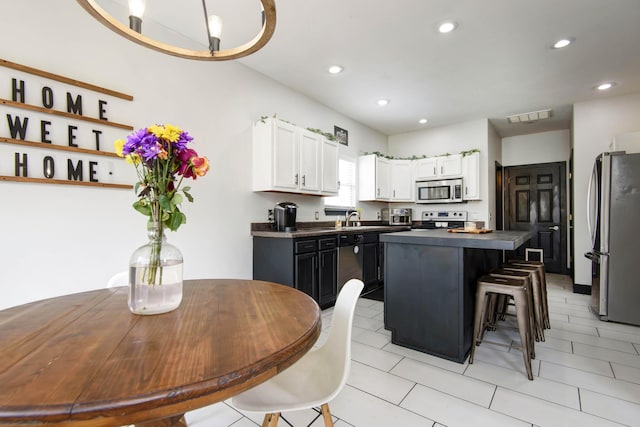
516 289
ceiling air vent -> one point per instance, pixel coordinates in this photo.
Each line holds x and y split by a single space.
533 116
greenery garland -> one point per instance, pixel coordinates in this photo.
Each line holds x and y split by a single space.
414 157
328 135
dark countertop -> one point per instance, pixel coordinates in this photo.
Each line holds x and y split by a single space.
327 231
504 240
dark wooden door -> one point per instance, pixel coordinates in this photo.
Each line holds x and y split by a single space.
535 201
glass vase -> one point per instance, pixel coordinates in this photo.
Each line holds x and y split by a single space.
155 275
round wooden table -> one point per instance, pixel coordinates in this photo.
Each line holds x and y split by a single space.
84 359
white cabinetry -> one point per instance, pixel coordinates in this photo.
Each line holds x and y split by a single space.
385 180
310 160
374 174
439 167
402 182
291 159
471 176
330 174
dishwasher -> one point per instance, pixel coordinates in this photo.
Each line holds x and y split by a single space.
350 258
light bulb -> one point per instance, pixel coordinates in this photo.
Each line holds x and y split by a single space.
136 8
562 43
215 26
447 27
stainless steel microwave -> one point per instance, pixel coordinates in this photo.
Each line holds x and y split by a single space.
442 191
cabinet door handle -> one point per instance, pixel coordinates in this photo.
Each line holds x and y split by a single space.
304 179
434 171
296 179
466 190
378 191
338 185
441 170
394 193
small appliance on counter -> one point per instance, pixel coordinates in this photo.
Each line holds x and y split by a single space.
396 216
285 216
442 219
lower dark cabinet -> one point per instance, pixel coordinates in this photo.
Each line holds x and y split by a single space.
306 278
327 277
307 264
371 262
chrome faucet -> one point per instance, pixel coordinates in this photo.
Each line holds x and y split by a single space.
348 217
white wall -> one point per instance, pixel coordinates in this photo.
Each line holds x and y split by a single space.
543 147
595 124
449 139
64 239
494 154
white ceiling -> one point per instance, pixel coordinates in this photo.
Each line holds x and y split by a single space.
498 62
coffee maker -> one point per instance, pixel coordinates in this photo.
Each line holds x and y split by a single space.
285 216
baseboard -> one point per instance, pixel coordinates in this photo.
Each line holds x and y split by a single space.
582 289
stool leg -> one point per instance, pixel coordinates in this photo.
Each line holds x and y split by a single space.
536 291
545 302
524 329
478 321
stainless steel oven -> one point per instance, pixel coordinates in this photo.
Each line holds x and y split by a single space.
442 191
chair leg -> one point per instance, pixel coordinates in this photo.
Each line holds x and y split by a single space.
271 420
326 415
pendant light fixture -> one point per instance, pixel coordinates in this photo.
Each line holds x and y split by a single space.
213 25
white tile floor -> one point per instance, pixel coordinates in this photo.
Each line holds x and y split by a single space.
587 373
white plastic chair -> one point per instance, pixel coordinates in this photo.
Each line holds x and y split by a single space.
317 377
119 279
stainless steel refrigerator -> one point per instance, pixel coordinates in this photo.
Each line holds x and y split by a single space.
613 217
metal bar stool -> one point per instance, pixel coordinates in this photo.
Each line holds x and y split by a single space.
517 290
503 306
536 291
543 282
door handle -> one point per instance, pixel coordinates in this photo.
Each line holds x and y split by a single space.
554 228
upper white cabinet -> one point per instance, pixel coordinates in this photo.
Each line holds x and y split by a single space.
439 167
471 176
374 174
385 180
330 176
310 160
402 182
291 159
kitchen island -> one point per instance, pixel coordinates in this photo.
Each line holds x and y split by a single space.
430 284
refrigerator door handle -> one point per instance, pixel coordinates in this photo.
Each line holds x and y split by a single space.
591 192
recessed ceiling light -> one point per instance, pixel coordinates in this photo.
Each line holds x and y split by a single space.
605 86
562 43
383 102
422 121
447 27
336 69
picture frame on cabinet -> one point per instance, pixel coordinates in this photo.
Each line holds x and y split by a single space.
342 135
